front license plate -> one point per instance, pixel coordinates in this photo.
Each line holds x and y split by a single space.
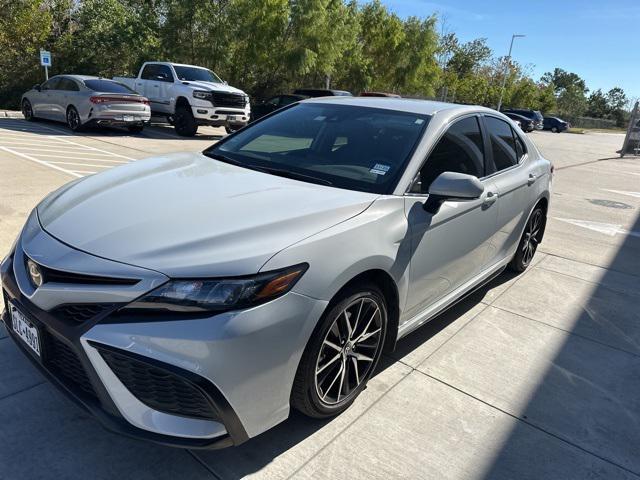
128 118
25 330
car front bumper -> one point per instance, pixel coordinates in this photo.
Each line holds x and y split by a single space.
241 363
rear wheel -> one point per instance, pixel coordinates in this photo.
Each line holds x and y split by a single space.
27 110
342 354
135 128
531 238
184 122
73 119
554 129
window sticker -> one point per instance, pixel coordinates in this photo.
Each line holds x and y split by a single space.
380 169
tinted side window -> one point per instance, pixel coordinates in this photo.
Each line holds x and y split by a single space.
68 85
520 148
502 143
164 74
460 150
51 84
149 72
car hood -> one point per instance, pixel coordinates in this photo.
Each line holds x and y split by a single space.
187 215
214 87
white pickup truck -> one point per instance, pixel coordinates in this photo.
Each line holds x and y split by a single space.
189 96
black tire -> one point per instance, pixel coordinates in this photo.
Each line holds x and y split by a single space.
531 238
73 119
27 110
135 128
183 121
554 129
357 357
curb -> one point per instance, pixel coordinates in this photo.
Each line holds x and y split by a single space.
10 114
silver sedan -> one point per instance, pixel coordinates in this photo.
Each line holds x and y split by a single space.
194 299
81 100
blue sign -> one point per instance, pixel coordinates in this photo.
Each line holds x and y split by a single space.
45 58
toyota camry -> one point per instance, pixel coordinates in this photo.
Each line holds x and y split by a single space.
195 299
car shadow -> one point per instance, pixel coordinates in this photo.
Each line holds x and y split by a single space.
157 130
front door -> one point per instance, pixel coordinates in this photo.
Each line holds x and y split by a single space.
450 247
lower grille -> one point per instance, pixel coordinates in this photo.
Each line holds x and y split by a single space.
65 364
78 313
159 388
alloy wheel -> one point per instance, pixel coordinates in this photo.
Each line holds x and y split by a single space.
531 237
348 350
27 111
73 119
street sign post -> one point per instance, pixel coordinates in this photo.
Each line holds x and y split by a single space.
45 61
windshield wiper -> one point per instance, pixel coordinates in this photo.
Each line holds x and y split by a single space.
271 170
293 175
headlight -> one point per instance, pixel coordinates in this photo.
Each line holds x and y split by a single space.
202 94
246 100
217 295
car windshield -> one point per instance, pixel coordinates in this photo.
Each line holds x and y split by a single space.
107 86
352 147
193 74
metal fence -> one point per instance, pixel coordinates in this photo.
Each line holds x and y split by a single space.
586 122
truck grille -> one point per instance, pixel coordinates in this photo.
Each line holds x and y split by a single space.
222 99
158 388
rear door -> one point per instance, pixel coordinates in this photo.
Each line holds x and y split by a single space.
66 94
44 106
158 80
515 184
450 247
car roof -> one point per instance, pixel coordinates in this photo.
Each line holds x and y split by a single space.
82 78
425 107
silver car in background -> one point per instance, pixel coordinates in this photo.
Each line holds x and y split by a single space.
81 100
194 299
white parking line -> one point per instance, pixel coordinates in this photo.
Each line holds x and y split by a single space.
46 164
41 146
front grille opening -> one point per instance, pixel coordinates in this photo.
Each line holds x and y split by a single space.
63 362
221 99
79 313
158 388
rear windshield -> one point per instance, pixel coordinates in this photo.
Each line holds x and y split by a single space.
346 146
192 74
107 86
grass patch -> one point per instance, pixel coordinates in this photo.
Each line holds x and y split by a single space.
576 130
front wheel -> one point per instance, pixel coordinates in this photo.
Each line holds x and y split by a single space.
554 129
232 128
342 354
184 123
531 238
27 111
73 119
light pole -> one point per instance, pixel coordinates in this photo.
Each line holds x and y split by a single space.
504 77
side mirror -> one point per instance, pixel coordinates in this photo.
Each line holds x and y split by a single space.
225 82
36 87
452 186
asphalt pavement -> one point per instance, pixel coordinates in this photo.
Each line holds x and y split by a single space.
536 376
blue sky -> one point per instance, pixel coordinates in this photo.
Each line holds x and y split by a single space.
598 40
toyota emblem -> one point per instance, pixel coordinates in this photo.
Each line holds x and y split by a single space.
35 273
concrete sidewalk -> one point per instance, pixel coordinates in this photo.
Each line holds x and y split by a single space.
536 376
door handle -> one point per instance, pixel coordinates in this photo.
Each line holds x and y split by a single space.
490 199
532 179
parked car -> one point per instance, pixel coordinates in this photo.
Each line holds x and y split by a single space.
379 94
82 100
534 115
273 104
525 123
555 124
194 299
189 96
322 92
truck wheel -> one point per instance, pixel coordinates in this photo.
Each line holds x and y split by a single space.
233 128
184 122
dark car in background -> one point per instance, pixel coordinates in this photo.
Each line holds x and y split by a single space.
526 124
555 124
322 92
274 103
534 115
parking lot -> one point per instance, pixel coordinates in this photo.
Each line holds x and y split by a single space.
534 376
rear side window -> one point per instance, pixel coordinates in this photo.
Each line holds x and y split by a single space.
68 85
460 150
51 84
503 144
149 72
107 86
